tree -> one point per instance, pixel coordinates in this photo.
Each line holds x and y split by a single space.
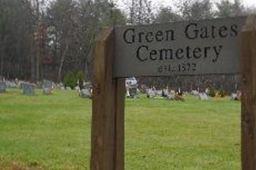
250 11
16 36
64 22
196 10
94 16
165 14
140 12
72 28
226 8
39 44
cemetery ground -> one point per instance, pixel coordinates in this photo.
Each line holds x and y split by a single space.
53 132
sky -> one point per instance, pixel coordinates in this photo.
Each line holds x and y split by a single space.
159 3
247 3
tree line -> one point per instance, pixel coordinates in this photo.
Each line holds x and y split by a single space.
47 39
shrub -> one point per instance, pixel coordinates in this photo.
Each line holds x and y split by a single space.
222 93
80 76
211 92
70 80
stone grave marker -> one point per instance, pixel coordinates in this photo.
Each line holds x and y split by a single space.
132 91
28 89
47 87
86 93
2 87
203 96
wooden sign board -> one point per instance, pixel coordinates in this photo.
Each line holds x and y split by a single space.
180 48
183 48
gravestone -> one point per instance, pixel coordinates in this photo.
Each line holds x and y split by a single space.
47 87
60 86
27 88
233 96
127 92
158 93
170 95
236 96
132 91
2 87
87 85
150 93
165 92
203 96
77 88
11 84
86 93
195 92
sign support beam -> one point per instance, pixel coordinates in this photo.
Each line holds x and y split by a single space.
248 105
107 138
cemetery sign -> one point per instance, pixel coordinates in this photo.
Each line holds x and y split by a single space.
180 48
218 46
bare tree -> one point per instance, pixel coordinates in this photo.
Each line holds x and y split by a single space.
140 12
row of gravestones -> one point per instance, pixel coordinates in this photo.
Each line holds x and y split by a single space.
47 86
86 91
165 93
172 95
27 88
132 91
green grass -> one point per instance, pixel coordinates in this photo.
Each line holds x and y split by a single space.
53 132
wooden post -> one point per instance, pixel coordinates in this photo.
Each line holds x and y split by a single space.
248 108
107 138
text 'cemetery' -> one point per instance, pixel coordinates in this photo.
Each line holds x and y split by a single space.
184 48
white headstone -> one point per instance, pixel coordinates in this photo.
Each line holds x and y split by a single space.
203 96
3 87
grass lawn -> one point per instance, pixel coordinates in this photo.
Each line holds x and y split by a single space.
53 132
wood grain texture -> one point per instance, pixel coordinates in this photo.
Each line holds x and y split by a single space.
119 124
107 131
248 105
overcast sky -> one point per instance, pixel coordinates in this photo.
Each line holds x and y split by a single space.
245 2
159 3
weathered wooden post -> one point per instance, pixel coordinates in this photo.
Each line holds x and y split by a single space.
107 139
248 108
